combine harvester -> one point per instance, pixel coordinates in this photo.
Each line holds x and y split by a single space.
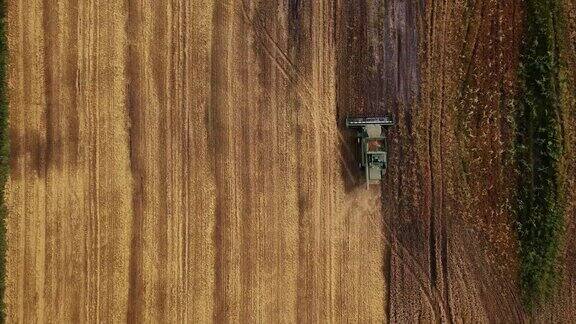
374 149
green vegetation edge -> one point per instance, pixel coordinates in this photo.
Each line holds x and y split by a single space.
538 147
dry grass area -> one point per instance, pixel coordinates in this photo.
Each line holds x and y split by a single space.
187 161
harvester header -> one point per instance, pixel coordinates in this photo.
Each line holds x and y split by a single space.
363 121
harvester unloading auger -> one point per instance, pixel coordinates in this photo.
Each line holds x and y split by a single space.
374 148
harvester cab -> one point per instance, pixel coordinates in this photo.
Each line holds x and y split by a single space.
373 146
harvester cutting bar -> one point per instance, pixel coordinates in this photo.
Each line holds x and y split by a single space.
364 121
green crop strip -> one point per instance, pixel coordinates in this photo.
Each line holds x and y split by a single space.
538 152
4 152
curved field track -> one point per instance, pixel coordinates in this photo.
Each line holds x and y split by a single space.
186 161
